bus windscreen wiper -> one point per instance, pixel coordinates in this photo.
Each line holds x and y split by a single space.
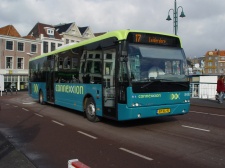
151 81
154 80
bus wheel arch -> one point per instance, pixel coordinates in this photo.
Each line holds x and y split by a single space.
90 109
41 97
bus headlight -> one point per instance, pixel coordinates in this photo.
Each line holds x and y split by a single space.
186 101
136 104
139 115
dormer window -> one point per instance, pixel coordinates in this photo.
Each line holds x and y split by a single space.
50 31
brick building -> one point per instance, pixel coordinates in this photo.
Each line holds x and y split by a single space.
214 63
15 52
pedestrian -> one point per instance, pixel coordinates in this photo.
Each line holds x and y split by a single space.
220 88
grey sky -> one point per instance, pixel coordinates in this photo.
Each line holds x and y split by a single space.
201 30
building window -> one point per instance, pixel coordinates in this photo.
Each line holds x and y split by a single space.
9 62
59 44
33 48
50 31
19 63
67 41
9 45
52 46
20 46
45 47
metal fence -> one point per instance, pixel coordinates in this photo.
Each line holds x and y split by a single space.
203 90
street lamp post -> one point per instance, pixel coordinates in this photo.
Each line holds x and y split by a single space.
175 16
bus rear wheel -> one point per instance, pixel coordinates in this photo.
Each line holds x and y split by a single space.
41 98
90 111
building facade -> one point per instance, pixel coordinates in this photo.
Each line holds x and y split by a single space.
215 62
53 37
15 52
49 37
71 33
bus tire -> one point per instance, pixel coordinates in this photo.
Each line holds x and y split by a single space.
41 98
90 110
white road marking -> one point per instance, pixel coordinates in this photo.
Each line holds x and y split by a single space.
15 106
136 154
38 115
25 109
93 137
29 103
198 112
200 129
58 123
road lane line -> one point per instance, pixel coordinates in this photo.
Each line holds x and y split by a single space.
25 109
219 115
15 106
198 112
38 115
136 154
200 129
93 137
28 102
58 123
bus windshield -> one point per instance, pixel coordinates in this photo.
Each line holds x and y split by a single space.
151 62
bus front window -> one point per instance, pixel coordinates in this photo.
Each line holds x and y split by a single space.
156 62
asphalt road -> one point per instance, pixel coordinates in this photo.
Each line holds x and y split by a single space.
49 136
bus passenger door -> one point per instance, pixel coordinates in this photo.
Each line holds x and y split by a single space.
50 79
109 98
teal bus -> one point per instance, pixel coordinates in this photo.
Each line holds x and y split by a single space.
110 76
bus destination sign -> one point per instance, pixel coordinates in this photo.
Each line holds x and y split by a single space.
153 39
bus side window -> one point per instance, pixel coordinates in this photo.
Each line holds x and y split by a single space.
97 67
74 62
60 62
123 72
89 67
66 63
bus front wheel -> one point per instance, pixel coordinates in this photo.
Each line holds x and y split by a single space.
90 111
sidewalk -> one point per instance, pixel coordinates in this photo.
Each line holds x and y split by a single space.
11 157
207 103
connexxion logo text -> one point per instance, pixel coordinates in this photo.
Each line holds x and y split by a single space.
69 89
174 96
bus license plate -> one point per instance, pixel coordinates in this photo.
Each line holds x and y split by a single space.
163 111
